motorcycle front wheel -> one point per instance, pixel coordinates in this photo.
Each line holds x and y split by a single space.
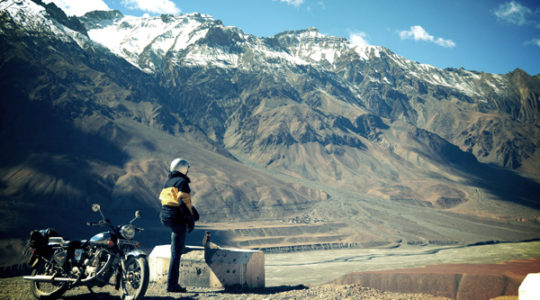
135 277
46 290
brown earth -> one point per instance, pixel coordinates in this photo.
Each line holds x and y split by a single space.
455 281
15 288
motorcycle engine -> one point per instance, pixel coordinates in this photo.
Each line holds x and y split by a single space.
60 256
96 260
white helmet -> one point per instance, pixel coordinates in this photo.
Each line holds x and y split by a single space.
181 165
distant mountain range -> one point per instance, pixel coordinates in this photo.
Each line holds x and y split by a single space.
307 136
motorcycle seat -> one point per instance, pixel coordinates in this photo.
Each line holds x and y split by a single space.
56 241
59 241
73 244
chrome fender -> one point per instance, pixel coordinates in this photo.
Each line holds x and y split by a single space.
135 253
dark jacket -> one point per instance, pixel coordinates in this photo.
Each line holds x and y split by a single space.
175 198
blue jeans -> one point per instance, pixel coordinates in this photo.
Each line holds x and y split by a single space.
170 219
178 239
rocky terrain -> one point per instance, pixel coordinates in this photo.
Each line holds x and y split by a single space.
290 277
295 140
454 281
18 289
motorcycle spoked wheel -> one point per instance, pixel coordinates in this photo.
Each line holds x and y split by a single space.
99 262
135 277
47 290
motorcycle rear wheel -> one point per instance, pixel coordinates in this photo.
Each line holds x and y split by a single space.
46 290
135 277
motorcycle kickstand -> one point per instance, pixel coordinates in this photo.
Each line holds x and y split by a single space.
94 294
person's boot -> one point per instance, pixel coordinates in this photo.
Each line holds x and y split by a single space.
176 289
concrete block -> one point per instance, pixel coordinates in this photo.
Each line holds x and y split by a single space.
158 260
211 267
530 287
194 271
236 267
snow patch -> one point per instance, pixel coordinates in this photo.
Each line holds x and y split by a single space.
367 52
131 36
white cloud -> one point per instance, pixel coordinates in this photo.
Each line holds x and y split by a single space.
535 42
79 7
513 12
292 2
418 33
445 43
153 6
358 39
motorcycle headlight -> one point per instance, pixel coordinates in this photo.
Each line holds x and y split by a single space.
128 231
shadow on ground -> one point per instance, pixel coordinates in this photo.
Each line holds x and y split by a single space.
107 296
195 294
266 290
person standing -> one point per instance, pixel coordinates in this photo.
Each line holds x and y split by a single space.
177 213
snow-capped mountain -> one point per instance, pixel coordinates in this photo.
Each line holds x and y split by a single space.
195 39
151 43
300 125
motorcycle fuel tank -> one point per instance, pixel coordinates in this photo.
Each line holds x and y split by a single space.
103 239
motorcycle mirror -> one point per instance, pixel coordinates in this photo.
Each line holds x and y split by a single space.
97 208
137 215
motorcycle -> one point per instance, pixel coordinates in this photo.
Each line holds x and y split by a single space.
59 265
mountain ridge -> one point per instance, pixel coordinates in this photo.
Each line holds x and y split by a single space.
278 128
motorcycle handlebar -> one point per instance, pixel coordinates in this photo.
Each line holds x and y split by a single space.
99 223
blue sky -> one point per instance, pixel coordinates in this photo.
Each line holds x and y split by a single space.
494 36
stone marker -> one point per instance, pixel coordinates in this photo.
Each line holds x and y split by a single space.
211 266
235 268
530 287
158 260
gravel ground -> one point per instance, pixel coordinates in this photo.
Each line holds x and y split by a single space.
19 289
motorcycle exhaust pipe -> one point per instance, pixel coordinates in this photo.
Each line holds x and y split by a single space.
49 278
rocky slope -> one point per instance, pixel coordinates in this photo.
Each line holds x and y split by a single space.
298 126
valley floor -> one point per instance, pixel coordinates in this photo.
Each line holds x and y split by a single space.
319 267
